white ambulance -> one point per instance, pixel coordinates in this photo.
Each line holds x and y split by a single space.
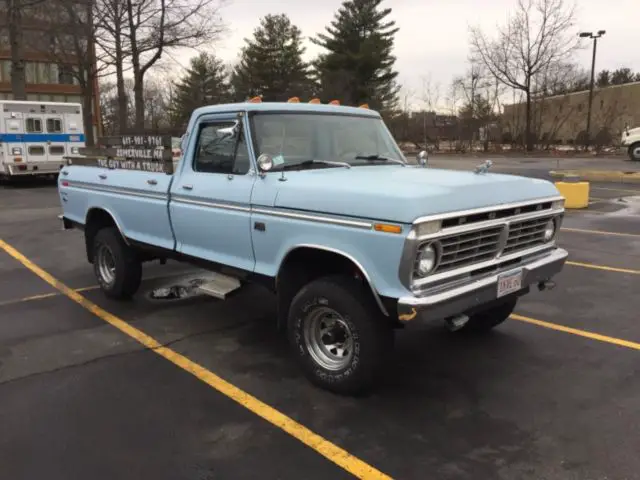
35 136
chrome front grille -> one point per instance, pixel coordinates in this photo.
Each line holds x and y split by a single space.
477 246
525 234
468 248
475 241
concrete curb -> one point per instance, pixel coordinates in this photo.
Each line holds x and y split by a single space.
599 175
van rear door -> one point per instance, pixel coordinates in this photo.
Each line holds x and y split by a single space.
56 139
35 143
12 139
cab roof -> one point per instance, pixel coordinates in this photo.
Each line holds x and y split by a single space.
285 107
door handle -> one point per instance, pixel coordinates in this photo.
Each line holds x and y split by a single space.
187 187
151 181
102 176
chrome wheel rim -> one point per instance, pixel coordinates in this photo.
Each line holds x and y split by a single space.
636 153
328 339
106 264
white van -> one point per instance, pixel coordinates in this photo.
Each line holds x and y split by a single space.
34 136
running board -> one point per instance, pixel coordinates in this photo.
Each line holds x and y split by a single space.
220 286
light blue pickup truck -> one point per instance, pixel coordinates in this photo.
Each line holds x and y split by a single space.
318 203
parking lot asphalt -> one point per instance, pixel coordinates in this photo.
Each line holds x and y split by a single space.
551 394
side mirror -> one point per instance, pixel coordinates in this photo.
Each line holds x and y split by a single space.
265 162
423 156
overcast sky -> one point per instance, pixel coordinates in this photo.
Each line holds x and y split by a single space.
433 37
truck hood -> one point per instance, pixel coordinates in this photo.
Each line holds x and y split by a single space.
402 194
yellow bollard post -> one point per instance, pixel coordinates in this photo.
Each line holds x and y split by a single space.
575 192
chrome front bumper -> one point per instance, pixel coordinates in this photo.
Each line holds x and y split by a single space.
476 293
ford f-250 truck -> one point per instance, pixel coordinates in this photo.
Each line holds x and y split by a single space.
318 203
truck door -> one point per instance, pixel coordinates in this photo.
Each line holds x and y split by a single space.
35 144
56 141
211 194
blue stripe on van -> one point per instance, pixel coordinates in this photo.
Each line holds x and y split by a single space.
40 137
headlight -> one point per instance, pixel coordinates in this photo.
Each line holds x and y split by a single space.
549 230
74 150
16 151
557 204
427 260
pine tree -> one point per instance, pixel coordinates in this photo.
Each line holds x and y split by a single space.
271 64
358 65
205 83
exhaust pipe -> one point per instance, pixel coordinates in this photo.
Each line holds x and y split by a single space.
546 285
456 322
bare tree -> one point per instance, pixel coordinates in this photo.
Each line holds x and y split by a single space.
154 26
113 43
16 11
539 34
67 39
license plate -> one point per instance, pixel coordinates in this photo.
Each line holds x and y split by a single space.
509 283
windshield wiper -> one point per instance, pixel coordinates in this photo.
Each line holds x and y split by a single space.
286 166
380 158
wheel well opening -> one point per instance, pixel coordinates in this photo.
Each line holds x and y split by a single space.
304 265
97 219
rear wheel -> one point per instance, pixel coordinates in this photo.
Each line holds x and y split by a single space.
487 320
116 266
634 152
338 334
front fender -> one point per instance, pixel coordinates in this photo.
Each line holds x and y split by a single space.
377 254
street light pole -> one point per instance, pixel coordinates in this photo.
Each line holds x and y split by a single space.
593 67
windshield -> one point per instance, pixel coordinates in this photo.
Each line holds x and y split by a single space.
292 138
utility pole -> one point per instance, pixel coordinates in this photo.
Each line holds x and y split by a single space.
593 66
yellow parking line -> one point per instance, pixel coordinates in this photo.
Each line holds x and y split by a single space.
604 267
43 296
324 447
581 333
599 232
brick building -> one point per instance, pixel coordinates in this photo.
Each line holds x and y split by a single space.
563 118
48 77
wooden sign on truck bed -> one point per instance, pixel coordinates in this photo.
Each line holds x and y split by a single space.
147 153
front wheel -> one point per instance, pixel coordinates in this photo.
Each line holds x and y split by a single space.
338 334
634 152
116 266
487 320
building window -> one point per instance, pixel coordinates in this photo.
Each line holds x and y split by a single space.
5 70
44 73
66 75
54 125
33 125
30 72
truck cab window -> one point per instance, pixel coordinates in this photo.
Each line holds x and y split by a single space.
217 153
33 125
54 125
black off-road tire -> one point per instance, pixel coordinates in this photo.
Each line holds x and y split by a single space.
634 148
128 268
371 333
487 320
